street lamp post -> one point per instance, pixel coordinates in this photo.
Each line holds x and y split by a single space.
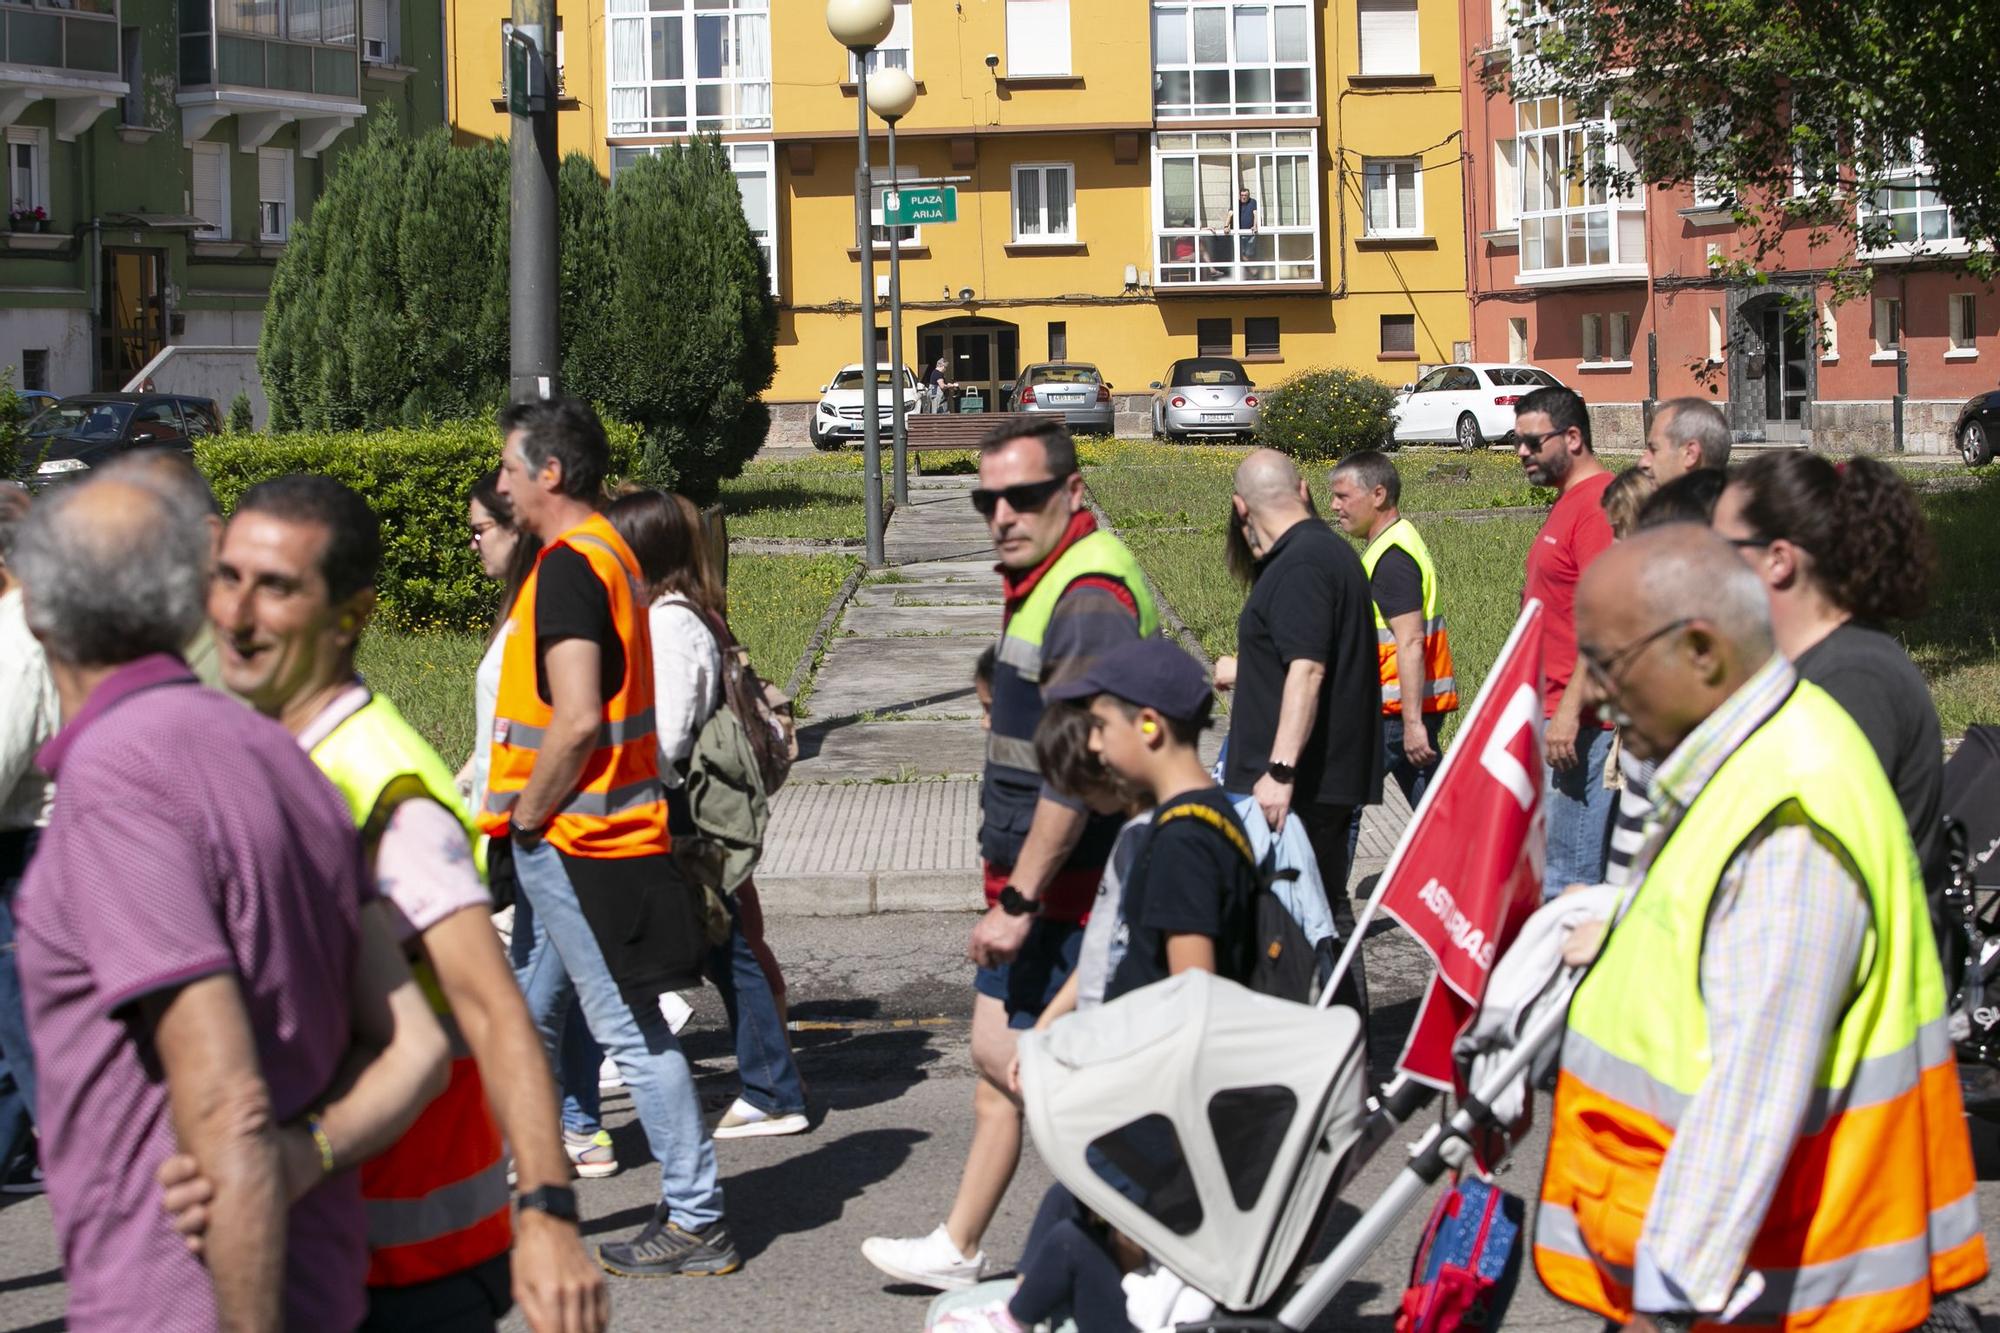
860 26
891 96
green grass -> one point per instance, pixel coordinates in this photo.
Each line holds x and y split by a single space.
775 602
1956 642
817 498
430 678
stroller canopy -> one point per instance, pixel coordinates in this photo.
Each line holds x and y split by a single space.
1201 1119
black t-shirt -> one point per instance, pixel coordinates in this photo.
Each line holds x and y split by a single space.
1397 583
1310 602
570 603
1190 880
1868 673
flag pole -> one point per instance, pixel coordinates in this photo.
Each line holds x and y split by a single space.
1352 945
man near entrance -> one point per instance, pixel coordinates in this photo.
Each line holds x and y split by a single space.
1552 434
294 589
574 780
1411 647
1758 1117
1073 593
1687 434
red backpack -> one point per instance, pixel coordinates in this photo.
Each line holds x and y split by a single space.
1467 1263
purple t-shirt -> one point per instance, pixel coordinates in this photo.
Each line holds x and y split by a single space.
190 837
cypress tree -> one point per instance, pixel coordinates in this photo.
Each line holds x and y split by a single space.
589 357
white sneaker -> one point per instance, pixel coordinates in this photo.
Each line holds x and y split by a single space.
929 1261
676 1011
744 1121
608 1077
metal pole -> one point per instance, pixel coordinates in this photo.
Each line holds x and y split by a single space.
900 443
871 434
535 357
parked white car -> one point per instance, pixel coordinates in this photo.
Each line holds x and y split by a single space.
1470 403
837 419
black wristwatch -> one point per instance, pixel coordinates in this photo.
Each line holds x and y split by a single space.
558 1201
1282 772
1014 903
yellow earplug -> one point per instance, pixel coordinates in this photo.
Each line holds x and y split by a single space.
1149 728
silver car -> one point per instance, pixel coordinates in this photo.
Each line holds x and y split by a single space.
1070 387
1204 396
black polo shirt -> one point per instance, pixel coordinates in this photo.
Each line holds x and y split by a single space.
1309 601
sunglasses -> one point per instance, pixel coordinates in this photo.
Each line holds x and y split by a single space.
1023 498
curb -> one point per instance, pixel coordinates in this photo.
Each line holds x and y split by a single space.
873 894
817 643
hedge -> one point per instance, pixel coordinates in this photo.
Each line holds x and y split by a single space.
417 481
1326 414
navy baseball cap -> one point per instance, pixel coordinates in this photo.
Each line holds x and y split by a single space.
1147 673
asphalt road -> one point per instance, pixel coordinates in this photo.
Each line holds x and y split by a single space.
881 1005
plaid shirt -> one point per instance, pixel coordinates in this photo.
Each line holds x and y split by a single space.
1785 932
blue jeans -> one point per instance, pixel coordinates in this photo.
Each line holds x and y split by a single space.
1413 780
17 1060
566 968
1577 807
763 1057
578 1058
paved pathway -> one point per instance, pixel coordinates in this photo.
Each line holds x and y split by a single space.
882 811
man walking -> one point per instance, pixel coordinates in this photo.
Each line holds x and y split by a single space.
293 591
1074 593
1412 650
1687 434
574 780
1552 434
206 969
1758 1117
1305 731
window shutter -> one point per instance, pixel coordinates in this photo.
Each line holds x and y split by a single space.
1506 183
211 203
1389 37
1037 38
1593 337
375 28
274 176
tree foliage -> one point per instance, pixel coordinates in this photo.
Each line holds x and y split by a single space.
1325 414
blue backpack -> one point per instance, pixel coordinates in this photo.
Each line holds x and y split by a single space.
1467 1263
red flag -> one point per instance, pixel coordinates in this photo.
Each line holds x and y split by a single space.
1468 870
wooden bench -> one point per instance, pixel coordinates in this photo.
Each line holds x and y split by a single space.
933 431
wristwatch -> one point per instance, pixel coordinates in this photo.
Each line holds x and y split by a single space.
558 1201
1014 903
1282 772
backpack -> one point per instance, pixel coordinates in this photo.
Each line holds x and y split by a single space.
1285 964
1467 1262
1965 913
741 756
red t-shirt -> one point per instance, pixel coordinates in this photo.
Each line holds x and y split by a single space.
1576 533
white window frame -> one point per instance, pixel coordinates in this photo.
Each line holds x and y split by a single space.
1962 325
1908 199
1886 314
742 92
36 140
1045 234
746 158
219 152
1574 230
879 230
1377 172
1236 61
1039 40
386 42
1374 58
1715 347
897 51
289 216
1195 242
1829 331
1517 340
1506 184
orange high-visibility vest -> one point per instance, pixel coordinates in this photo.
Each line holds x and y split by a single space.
1875 1212
1440 686
618 808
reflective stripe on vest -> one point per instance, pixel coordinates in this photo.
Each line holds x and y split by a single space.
1876 1211
437 1199
1440 684
618 807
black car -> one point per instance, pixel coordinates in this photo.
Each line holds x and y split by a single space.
1978 429
87 430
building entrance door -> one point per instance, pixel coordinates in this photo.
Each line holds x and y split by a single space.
982 358
1787 371
134 317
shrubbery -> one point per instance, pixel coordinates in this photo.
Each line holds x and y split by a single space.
1325 414
416 480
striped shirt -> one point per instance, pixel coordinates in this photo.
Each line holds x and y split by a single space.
1785 933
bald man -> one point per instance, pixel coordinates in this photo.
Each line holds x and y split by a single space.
1774 970
1305 728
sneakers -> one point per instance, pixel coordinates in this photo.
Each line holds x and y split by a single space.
930 1261
25 1180
664 1249
744 1121
590 1154
675 1010
608 1077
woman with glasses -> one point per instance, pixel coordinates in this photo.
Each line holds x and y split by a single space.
1843 550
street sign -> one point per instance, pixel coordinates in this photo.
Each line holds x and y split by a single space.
527 89
914 207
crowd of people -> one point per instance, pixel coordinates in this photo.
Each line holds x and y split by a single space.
348 1100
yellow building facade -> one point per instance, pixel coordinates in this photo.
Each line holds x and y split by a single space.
1137 182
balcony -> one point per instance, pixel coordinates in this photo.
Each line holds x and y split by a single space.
270 63
63 52
1188 259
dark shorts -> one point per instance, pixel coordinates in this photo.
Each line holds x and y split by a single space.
469 1302
1027 984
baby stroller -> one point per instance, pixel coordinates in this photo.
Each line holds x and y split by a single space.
1216 1127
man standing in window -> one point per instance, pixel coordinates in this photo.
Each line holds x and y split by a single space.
1246 223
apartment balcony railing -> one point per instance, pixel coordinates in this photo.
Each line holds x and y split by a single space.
74 36
304 47
1187 257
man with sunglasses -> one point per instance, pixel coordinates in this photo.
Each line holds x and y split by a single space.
1073 594
1758 1119
1552 440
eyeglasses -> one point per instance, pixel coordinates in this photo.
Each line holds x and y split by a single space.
1607 670
1751 542
1023 498
479 531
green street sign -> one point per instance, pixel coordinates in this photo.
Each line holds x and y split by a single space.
911 208
526 92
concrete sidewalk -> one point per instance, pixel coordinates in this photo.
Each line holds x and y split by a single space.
882 810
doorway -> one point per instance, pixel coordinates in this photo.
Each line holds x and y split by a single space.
1787 353
982 359
134 317
1773 365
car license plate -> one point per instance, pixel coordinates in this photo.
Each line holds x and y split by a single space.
1223 418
